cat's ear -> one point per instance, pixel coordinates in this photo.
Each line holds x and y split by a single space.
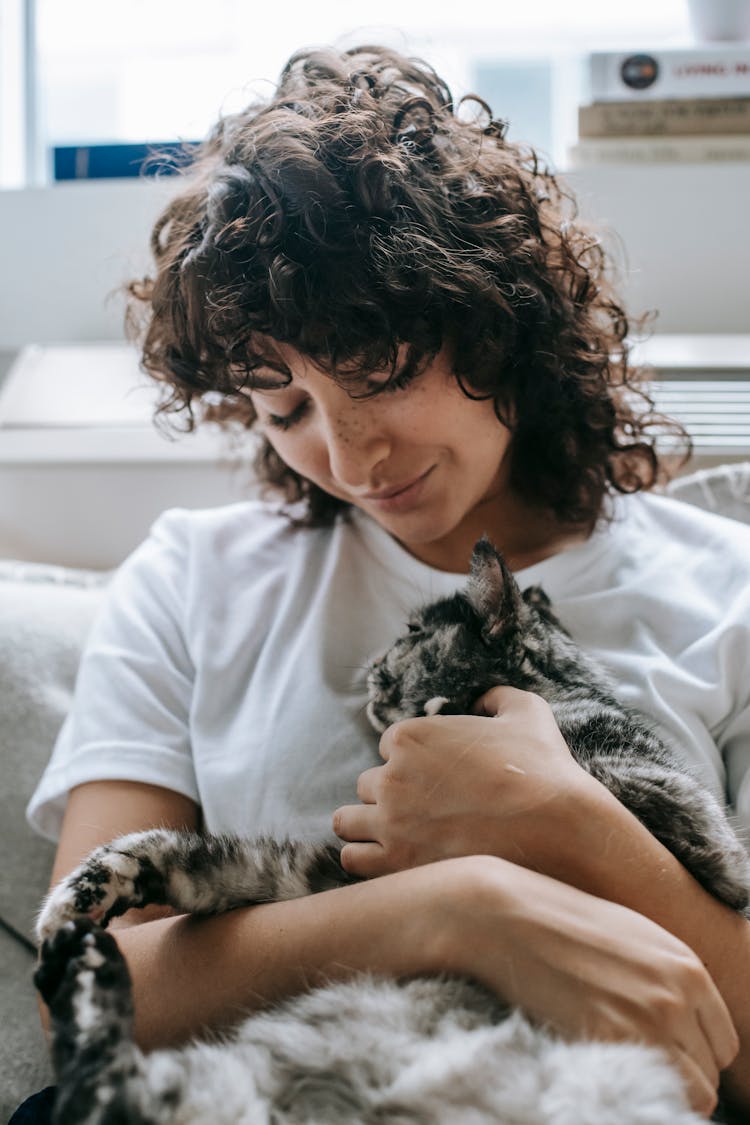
536 598
492 590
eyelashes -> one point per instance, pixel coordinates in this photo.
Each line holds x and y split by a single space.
285 422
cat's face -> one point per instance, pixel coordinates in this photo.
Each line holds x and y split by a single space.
458 647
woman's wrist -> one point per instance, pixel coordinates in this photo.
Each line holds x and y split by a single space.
451 890
566 837
472 902
601 847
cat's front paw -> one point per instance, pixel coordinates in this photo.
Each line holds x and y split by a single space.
103 885
76 946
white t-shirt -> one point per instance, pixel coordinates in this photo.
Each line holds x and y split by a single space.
228 663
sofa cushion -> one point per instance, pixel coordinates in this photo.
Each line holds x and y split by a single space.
45 614
24 1062
724 489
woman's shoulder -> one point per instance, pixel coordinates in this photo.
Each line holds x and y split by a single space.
227 520
692 519
679 553
227 532
657 544
189 552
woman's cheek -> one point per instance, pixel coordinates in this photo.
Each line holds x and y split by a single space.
302 454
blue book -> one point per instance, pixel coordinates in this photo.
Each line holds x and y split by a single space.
115 161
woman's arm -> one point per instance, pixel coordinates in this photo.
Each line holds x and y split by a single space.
619 859
191 974
100 810
582 964
509 786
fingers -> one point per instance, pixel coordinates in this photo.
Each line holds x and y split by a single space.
362 855
355 822
365 860
715 1022
367 784
706 1044
696 1060
384 747
699 1035
498 700
493 701
709 1037
700 1088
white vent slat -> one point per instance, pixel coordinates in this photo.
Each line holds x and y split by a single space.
711 402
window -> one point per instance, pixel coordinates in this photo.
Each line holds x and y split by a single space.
77 72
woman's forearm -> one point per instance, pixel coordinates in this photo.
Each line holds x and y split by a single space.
583 965
615 857
191 974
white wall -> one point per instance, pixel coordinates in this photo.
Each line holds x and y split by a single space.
685 231
65 252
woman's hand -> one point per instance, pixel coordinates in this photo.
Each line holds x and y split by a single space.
451 787
499 782
587 967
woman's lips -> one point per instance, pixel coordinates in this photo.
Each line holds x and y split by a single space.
401 497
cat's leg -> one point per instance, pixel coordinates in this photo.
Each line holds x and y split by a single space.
192 873
685 817
85 983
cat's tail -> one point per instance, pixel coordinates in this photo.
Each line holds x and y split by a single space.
85 983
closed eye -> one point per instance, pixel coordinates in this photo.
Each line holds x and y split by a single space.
286 421
413 628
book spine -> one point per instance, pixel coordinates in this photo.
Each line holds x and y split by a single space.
673 117
658 150
716 71
118 161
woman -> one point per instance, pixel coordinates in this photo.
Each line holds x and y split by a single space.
403 304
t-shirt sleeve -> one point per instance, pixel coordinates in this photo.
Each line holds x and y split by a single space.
130 714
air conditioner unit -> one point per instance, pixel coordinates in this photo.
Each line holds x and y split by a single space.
704 383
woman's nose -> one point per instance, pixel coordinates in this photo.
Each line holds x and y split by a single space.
357 443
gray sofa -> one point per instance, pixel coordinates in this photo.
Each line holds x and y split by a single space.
45 613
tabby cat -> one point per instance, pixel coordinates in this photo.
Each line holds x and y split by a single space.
426 1050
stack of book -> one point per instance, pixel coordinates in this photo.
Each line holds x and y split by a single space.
670 105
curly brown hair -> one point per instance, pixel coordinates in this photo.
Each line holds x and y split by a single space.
357 211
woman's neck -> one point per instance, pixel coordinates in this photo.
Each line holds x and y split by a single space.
522 534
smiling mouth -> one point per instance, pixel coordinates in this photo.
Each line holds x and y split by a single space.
389 493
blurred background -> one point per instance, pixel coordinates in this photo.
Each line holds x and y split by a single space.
87 87
150 70
113 73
